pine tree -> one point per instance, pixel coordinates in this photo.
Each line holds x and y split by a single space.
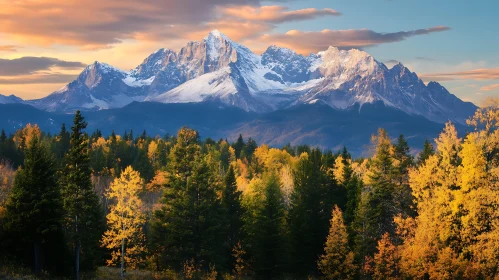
231 201
311 203
84 223
239 146
125 220
9 151
353 186
337 262
427 151
187 227
375 213
401 154
34 211
250 148
143 165
63 142
269 244
403 161
354 189
3 137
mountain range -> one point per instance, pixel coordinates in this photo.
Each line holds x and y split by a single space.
222 73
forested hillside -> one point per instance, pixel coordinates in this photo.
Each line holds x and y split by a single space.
178 207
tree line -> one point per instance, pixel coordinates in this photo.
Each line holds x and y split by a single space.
187 208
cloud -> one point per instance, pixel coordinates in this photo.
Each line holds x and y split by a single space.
235 30
392 61
275 14
92 24
39 78
30 65
475 74
314 41
490 87
8 48
425 58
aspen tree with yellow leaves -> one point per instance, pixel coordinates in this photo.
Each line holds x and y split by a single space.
124 237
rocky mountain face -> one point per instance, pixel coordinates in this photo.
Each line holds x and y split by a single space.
99 86
217 69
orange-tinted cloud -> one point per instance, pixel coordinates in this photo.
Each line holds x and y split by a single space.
8 48
92 24
97 24
275 14
235 30
475 74
313 41
490 87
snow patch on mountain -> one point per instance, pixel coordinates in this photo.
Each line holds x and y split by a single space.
134 82
208 85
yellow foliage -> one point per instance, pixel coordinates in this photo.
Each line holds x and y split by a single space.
7 174
337 261
360 169
158 182
338 170
448 265
448 146
273 159
240 265
125 220
152 152
287 184
455 234
23 137
386 260
241 168
487 116
101 143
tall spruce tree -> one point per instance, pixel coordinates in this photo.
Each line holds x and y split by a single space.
427 151
231 201
187 227
311 204
270 235
354 189
239 146
3 137
403 161
375 213
401 153
84 222
34 212
63 142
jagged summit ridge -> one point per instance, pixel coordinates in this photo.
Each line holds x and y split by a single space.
221 70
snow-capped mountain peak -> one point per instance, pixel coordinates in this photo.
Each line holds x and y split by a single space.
217 68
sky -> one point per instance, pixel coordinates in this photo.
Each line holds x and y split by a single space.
44 44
